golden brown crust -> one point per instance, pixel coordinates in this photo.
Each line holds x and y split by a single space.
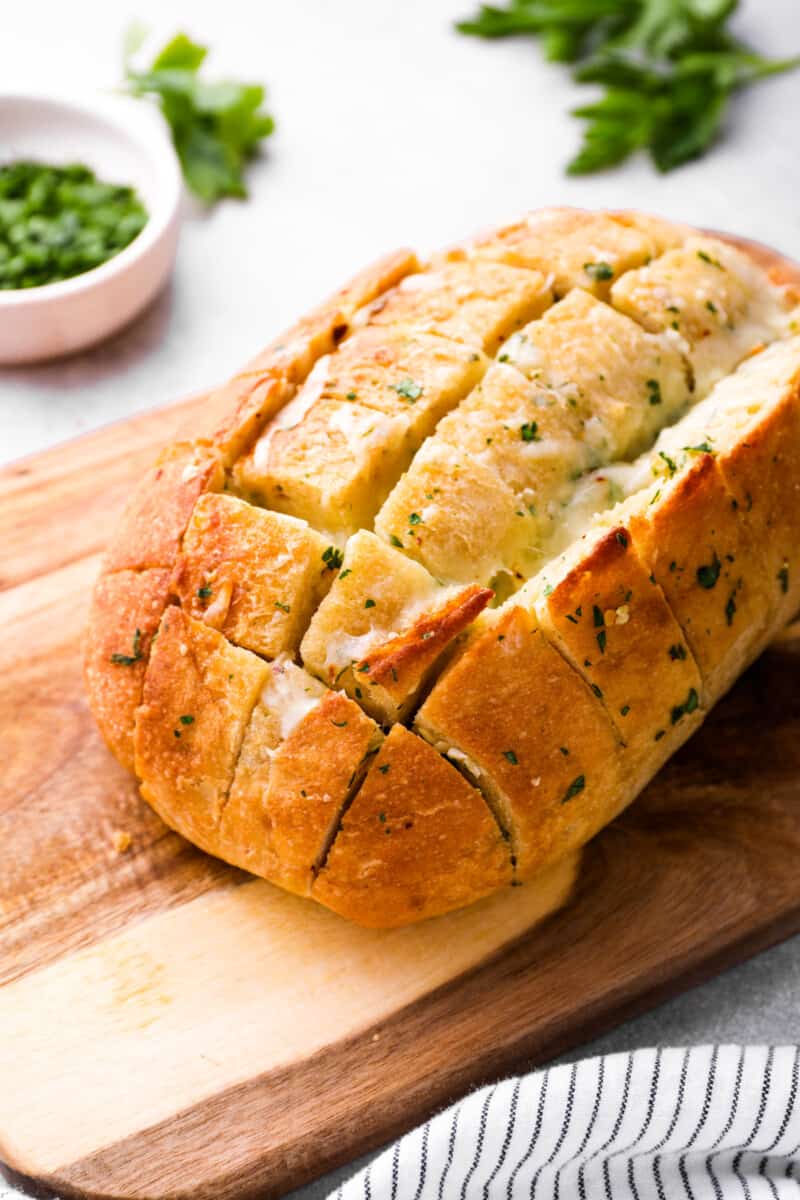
254 575
199 691
278 822
540 728
548 759
153 524
417 840
400 663
610 619
126 611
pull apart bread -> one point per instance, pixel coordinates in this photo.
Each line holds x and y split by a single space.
460 560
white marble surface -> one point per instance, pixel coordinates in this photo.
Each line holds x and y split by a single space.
392 130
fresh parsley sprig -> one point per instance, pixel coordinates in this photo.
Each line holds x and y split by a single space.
216 126
668 69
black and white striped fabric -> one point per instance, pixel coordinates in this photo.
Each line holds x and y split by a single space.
707 1123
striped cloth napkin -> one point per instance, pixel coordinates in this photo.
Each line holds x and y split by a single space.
706 1123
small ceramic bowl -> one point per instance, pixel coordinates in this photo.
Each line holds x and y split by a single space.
123 141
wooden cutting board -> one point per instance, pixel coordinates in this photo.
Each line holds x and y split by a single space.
170 1027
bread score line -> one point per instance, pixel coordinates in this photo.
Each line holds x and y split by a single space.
460 560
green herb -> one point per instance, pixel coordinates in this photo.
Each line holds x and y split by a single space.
343 574
706 258
600 271
407 389
701 448
186 719
626 708
708 574
597 691
689 705
601 641
659 735
783 578
654 391
383 770
395 540
127 660
57 222
351 396
415 519
204 593
216 127
671 464
730 608
574 789
511 756
529 432
622 538
369 603
283 607
564 751
668 69
597 617
333 558
677 652
338 724
711 306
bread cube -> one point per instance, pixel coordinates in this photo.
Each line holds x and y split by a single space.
254 575
383 626
479 303
622 382
333 468
399 371
458 518
714 297
575 248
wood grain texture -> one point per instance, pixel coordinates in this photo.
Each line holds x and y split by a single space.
174 1028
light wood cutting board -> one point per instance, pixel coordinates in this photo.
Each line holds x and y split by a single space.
170 1027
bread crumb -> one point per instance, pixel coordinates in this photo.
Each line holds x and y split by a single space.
121 840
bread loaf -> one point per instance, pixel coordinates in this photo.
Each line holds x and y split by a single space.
460 560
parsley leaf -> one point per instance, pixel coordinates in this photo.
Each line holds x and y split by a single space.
668 67
216 127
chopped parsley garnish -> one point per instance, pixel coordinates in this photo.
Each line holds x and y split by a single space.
601 641
597 615
407 389
186 719
529 432
783 578
659 735
689 705
600 271
338 724
283 607
700 448
343 574
626 708
677 652
395 540
577 786
671 464
383 768
127 660
414 519
511 756
654 391
708 574
351 396
205 593
597 691
622 538
369 603
564 751
711 306
730 608
333 558
713 262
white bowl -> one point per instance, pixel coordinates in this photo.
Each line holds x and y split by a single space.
123 141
